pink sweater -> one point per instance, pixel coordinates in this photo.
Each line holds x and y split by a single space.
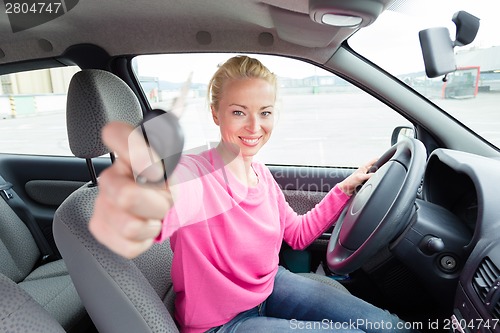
226 238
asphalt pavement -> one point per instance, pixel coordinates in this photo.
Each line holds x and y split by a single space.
310 129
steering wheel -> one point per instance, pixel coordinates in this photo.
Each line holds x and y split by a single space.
381 209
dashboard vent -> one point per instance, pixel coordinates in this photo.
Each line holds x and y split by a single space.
486 283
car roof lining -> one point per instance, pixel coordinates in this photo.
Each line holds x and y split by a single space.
163 26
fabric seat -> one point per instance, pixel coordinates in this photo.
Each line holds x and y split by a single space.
49 284
120 295
20 313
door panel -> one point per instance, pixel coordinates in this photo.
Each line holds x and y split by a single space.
304 187
43 182
51 192
309 179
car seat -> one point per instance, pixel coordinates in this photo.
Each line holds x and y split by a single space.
120 295
49 284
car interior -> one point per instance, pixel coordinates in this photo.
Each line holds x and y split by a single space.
419 239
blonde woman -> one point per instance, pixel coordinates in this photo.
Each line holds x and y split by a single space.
226 218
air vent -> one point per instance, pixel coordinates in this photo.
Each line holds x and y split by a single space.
486 283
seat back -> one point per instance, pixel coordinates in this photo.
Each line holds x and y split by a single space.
48 284
120 295
18 250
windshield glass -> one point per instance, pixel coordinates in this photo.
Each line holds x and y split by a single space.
472 93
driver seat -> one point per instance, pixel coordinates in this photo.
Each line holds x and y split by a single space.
120 295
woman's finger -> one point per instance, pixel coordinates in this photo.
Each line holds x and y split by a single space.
121 232
148 202
134 155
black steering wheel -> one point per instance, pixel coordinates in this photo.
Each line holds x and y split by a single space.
381 209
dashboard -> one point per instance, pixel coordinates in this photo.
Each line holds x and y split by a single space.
454 239
451 189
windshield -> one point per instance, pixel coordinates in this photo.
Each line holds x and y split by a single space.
472 93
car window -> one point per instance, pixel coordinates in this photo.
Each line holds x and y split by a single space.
322 119
470 93
32 111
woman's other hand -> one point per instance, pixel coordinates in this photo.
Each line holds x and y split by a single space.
357 178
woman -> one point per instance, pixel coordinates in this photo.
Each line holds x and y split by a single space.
226 218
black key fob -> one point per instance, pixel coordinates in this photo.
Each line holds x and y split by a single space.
164 135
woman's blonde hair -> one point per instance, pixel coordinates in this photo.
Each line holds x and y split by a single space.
238 67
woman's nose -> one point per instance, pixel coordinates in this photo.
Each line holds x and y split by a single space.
253 124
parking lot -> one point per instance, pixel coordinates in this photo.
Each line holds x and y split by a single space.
348 134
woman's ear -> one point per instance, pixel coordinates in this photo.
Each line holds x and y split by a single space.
214 115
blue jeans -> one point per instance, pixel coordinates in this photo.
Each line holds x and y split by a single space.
299 304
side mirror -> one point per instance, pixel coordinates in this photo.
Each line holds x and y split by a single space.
437 46
401 132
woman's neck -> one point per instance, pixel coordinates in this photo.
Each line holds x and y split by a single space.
239 165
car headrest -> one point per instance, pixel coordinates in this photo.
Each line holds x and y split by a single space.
95 98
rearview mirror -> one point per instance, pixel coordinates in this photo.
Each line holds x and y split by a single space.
437 46
437 50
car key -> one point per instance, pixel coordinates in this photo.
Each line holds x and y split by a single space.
163 134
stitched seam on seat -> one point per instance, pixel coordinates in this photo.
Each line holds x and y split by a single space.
57 294
27 300
48 276
16 265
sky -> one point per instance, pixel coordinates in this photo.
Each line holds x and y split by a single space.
166 67
398 52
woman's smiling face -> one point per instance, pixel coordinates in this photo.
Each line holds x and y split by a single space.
246 115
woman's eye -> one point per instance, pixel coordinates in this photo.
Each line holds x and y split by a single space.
238 113
266 113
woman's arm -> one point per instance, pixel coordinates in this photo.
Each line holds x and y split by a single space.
302 230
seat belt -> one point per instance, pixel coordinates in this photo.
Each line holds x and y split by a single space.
19 207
